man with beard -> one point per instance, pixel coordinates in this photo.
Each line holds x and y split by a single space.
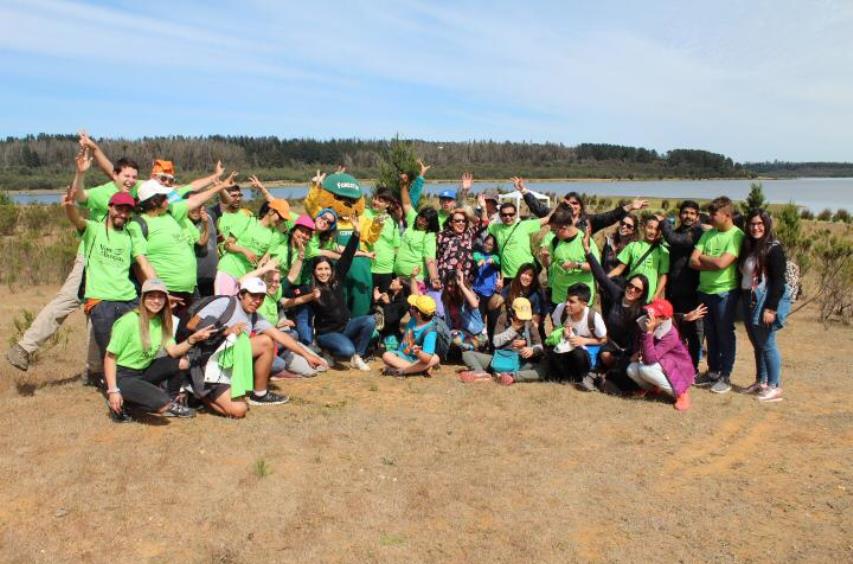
108 253
683 280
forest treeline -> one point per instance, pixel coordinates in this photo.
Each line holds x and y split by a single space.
785 169
45 161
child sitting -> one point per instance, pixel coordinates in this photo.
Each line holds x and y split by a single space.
579 335
393 307
417 351
487 270
666 365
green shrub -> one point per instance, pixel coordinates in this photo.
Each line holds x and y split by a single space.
841 216
825 215
8 219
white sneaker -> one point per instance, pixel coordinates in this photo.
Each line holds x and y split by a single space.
358 363
770 395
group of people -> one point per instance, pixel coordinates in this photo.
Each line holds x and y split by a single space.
196 304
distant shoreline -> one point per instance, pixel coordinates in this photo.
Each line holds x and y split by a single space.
288 183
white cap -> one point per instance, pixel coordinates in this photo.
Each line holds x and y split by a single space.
151 188
253 285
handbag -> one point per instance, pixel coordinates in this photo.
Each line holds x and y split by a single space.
505 361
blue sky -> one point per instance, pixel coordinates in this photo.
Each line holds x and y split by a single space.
754 80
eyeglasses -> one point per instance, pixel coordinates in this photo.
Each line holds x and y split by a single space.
756 224
458 220
633 287
165 178
628 225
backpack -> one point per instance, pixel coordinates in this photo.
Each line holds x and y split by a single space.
192 322
792 279
442 337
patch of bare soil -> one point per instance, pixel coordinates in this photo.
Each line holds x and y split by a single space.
361 467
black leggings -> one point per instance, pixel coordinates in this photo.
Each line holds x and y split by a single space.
143 388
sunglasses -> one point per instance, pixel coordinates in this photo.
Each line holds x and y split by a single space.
628 225
458 220
165 178
507 215
634 288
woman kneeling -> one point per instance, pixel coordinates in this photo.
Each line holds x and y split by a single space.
131 368
663 363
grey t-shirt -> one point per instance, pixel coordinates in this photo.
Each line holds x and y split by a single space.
217 307
207 258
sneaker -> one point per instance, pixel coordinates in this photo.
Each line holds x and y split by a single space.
755 388
682 402
379 317
587 384
721 386
357 363
330 360
707 379
18 357
505 379
470 376
269 398
770 395
391 371
95 379
175 409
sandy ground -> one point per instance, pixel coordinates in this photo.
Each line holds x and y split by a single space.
360 467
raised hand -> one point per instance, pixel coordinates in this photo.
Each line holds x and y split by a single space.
518 183
637 204
424 168
218 170
86 141
231 178
341 169
83 160
697 313
481 201
587 234
202 335
467 180
318 178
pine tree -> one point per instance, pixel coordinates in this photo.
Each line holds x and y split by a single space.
755 200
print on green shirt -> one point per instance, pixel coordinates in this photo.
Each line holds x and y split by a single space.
109 256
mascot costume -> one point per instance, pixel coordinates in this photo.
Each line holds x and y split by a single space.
342 193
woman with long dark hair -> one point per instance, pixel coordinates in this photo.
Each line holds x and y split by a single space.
456 243
462 311
766 301
336 330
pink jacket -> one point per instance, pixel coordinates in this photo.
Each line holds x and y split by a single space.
673 357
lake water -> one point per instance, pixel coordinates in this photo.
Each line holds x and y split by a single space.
813 193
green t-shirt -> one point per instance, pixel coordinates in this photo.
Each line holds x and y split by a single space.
269 308
98 199
386 246
655 263
560 278
715 243
109 255
415 248
233 222
126 341
192 235
443 216
166 248
514 247
255 237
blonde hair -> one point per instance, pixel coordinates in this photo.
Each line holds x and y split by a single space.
165 316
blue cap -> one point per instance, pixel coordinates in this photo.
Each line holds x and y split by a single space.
450 194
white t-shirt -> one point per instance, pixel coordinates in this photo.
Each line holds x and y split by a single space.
581 328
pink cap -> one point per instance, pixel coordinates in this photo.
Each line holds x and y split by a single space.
305 221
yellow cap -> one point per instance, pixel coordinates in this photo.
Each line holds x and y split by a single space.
424 304
521 308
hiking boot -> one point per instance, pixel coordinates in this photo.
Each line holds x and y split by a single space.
505 379
95 379
770 395
379 317
682 402
755 388
176 409
18 357
721 386
470 376
587 384
707 379
269 398
357 363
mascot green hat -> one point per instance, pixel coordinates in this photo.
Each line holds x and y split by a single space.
343 184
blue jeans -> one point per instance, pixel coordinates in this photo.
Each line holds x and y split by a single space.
720 330
353 340
768 360
302 317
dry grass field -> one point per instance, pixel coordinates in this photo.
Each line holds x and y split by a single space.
364 468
